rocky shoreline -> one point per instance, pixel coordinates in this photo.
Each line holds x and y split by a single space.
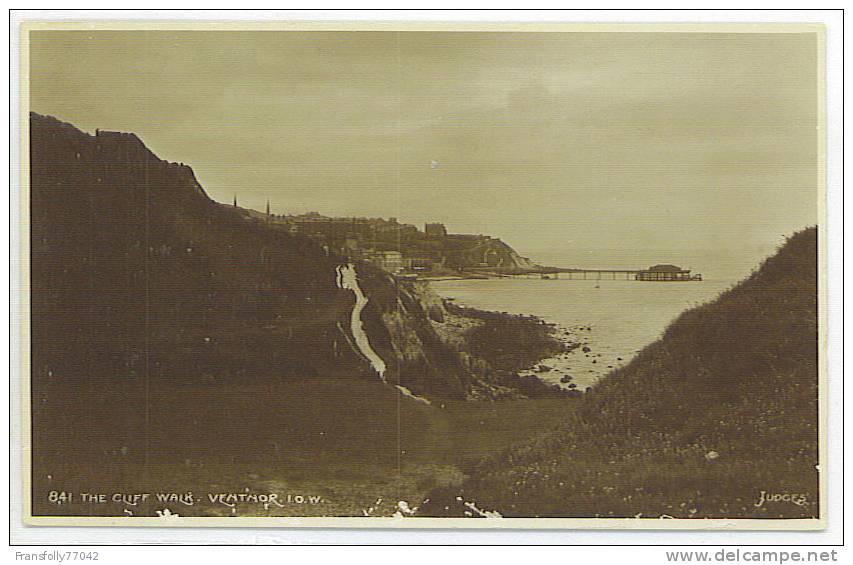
565 368
514 346
587 354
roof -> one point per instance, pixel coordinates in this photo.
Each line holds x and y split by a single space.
666 268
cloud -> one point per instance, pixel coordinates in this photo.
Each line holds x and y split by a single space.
607 139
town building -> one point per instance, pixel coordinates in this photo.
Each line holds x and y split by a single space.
435 230
390 261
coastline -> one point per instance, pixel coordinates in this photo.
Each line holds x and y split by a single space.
600 316
515 346
554 363
562 369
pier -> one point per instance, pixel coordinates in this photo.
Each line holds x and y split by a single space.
655 273
582 274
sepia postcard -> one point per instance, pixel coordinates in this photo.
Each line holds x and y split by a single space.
424 275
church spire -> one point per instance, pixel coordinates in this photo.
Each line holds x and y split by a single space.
235 200
268 206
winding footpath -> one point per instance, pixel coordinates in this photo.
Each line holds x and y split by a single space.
347 279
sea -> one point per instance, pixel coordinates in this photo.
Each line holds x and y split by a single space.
612 320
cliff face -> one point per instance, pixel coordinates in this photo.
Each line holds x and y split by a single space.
137 276
488 253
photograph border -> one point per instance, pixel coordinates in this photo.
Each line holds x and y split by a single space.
429 523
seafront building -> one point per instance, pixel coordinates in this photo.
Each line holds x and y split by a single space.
664 273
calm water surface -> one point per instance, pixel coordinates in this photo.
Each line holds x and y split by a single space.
613 318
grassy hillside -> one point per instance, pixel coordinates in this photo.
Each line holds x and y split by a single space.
721 408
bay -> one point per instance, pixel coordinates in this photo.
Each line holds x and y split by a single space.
611 319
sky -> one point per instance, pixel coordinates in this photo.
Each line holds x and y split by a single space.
629 142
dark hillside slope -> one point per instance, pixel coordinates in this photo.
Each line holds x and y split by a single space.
145 289
721 408
178 344
135 271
